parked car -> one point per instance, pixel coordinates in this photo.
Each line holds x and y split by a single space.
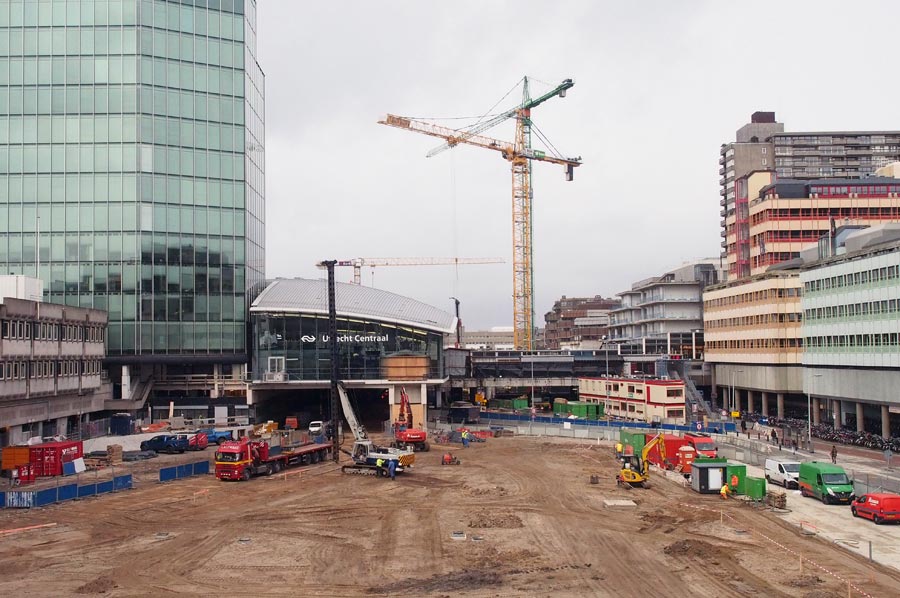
784 472
880 508
166 443
316 428
217 436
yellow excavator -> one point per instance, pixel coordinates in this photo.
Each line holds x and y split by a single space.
636 468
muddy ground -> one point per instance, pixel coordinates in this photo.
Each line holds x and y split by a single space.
532 525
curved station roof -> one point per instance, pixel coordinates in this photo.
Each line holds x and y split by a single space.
308 296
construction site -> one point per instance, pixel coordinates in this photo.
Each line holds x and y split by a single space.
518 516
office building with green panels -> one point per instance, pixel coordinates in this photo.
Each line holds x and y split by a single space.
132 175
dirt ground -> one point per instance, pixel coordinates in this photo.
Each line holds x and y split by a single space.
531 523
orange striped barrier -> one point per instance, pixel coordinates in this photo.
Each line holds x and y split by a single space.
7 532
204 493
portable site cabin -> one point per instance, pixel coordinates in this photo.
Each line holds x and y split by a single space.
707 477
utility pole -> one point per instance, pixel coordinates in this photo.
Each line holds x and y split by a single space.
458 322
332 333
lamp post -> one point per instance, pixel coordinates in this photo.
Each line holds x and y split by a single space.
734 404
605 338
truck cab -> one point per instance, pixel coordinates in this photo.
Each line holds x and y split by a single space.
702 443
825 481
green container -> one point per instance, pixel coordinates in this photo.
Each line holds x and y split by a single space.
740 470
635 439
755 488
520 404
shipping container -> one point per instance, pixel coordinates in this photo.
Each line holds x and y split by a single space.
673 442
13 456
48 458
632 438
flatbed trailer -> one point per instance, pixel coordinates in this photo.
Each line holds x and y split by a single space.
241 460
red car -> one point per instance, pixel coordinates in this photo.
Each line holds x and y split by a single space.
880 508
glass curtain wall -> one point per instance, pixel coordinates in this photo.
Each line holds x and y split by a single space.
124 143
298 345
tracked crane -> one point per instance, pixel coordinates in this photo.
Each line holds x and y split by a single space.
520 154
372 262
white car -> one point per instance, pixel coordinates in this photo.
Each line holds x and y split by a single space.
316 427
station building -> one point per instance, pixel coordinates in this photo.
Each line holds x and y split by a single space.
387 342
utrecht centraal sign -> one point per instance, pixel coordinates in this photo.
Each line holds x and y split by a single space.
346 338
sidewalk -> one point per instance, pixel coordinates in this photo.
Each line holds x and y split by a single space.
867 468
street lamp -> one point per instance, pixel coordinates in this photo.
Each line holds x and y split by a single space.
605 338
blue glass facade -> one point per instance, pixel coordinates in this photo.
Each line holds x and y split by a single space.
132 166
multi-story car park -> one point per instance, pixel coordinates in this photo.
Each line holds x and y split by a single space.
851 329
50 364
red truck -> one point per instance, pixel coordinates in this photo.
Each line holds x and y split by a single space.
244 458
702 443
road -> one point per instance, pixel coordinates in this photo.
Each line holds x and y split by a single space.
533 525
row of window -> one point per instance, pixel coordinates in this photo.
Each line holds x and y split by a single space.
46 331
114 13
755 320
854 310
853 279
20 370
754 343
752 296
854 340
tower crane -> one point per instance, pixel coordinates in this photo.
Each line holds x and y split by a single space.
520 154
372 262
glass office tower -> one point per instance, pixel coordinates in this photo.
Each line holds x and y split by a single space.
131 167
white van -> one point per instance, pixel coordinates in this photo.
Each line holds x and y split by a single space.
784 472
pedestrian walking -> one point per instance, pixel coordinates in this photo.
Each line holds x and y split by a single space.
834 453
392 469
774 437
465 438
379 463
888 456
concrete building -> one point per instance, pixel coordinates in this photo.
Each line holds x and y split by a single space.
753 339
386 342
50 358
751 150
851 327
637 399
578 322
134 144
777 218
663 315
763 145
498 338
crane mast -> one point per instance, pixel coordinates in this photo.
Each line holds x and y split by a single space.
520 155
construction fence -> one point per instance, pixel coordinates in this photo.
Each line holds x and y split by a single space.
167 474
24 499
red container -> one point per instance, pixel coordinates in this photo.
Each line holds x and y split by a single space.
48 458
673 442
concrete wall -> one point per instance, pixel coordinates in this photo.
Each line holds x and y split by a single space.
768 378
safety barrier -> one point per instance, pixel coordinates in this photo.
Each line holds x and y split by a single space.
24 499
543 419
167 474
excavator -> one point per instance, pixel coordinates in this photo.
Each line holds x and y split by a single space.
365 453
636 468
405 435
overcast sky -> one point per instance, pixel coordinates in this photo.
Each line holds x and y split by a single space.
658 87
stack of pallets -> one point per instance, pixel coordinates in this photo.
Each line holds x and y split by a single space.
114 453
776 499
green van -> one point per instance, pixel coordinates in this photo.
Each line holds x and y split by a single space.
829 483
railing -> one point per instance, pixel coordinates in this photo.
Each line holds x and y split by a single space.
322 375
